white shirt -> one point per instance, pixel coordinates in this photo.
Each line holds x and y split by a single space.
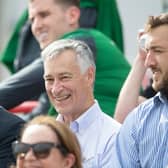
96 132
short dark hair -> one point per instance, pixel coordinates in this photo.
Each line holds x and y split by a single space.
69 2
66 2
156 21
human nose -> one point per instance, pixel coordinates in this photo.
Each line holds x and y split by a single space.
36 25
150 59
29 155
57 87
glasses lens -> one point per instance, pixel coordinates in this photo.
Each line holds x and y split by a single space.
20 148
42 150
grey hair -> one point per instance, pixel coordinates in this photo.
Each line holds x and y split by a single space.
84 54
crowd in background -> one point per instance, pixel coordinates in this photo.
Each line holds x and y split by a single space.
68 56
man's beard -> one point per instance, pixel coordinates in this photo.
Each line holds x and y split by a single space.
164 87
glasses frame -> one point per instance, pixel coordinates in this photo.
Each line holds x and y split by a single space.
41 150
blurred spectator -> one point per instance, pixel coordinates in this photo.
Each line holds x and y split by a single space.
9 131
112 68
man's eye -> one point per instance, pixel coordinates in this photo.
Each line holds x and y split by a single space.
49 80
65 77
157 51
44 14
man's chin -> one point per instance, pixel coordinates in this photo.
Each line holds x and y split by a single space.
155 87
43 45
161 88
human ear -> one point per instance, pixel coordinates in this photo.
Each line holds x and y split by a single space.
73 15
91 75
69 161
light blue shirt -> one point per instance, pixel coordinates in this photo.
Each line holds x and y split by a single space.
96 132
143 139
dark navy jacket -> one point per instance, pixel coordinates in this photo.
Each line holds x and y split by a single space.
10 126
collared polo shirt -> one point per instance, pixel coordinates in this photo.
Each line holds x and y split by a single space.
96 132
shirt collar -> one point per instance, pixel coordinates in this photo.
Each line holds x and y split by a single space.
85 120
160 98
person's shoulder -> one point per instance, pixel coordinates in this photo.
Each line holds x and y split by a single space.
9 120
109 124
141 112
145 107
10 126
85 32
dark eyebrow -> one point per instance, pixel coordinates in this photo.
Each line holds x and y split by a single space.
46 12
41 13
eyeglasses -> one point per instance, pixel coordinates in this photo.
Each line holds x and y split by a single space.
40 150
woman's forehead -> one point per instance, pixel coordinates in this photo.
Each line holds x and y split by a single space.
38 133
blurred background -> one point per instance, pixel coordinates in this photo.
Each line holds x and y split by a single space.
133 14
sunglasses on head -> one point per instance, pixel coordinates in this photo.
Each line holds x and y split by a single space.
40 150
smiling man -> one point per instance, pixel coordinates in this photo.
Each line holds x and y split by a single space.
143 138
69 74
56 19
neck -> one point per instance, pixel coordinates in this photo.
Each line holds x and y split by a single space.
68 118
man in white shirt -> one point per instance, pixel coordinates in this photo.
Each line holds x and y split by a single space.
69 74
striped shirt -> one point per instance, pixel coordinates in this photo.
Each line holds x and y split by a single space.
143 139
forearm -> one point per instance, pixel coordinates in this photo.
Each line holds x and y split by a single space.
22 86
129 94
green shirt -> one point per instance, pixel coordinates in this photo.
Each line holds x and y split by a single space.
9 53
108 22
87 3
108 19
